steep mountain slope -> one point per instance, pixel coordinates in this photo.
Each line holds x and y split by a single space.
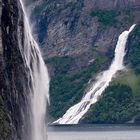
21 64
13 71
78 38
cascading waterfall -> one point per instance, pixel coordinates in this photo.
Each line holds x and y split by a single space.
76 112
39 85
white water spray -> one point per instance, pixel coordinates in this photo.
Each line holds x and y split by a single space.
39 83
76 112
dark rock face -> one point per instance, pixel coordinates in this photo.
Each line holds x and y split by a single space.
67 29
13 71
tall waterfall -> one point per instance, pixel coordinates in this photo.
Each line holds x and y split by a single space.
76 112
39 85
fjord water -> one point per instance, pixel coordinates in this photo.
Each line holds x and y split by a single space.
76 112
39 85
95 132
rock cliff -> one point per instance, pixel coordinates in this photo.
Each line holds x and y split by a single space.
14 75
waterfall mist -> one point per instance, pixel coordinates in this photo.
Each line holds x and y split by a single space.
39 85
76 112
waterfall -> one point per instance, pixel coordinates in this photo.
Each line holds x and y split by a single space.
76 112
39 85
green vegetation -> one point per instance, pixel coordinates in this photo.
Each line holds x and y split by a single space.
106 17
120 103
38 9
130 79
116 106
128 17
128 20
5 128
72 5
137 119
66 89
134 54
84 23
127 11
61 64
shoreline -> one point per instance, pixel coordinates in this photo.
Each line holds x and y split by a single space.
94 127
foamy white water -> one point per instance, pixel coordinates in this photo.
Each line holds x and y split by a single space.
39 86
76 112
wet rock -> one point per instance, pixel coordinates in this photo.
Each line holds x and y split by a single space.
13 71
